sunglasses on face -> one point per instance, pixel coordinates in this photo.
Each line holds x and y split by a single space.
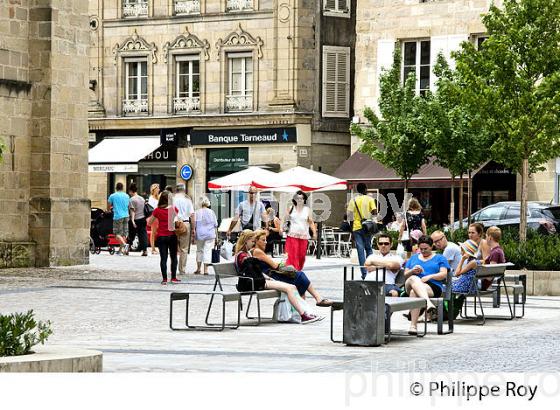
384 243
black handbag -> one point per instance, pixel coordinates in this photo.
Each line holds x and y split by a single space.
215 255
368 226
251 277
148 210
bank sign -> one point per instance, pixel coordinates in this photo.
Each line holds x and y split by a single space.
244 136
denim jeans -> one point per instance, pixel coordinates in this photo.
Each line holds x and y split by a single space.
363 246
167 245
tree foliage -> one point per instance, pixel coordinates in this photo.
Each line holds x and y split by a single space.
514 82
397 138
456 135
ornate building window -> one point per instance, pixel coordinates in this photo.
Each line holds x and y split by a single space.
134 60
239 5
135 8
136 86
187 84
184 57
240 52
187 7
240 82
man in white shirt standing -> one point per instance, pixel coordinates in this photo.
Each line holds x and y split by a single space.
451 251
185 212
392 263
251 212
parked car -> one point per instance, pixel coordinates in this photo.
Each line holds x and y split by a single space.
542 216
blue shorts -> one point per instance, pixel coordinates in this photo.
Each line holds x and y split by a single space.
389 288
301 281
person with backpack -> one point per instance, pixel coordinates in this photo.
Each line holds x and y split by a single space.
360 209
162 221
251 274
250 212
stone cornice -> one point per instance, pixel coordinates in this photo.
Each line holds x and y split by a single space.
208 121
134 44
186 41
240 38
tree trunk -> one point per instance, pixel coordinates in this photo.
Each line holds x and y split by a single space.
523 216
469 196
461 202
452 204
405 202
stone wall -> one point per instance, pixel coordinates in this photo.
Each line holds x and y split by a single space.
15 108
404 19
97 189
43 91
541 185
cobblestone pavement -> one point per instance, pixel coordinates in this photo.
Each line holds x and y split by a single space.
117 305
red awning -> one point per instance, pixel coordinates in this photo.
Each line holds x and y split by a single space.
362 168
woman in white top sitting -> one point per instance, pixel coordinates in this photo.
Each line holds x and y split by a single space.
300 219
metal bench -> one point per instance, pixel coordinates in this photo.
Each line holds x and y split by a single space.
447 297
226 297
392 305
227 270
517 285
495 272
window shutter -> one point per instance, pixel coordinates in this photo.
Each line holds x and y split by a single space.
385 50
330 4
342 5
336 81
445 45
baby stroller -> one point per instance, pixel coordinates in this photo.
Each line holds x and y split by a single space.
101 233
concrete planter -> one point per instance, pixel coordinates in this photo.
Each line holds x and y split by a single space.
54 360
540 283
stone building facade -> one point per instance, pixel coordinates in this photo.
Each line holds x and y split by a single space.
422 29
43 127
237 83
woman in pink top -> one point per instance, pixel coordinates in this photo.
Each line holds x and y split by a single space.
300 219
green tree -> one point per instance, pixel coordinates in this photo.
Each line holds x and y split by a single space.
456 138
514 82
397 139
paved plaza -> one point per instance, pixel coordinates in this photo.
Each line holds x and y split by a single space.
117 305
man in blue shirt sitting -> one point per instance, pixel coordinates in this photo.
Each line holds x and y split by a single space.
120 202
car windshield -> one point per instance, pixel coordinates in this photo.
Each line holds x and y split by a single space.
552 212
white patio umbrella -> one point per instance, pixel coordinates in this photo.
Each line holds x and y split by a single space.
242 180
307 180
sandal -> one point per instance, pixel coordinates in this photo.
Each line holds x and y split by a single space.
413 331
324 303
196 272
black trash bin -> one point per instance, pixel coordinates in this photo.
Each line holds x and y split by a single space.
364 313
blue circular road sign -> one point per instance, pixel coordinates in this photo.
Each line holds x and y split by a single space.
186 172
